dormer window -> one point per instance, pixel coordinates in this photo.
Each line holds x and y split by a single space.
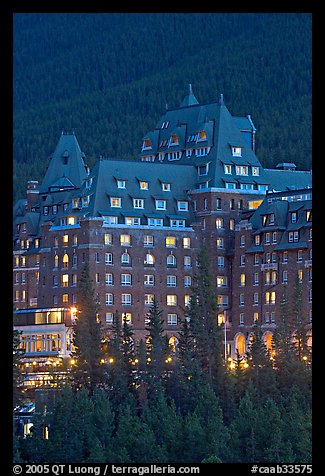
146 144
201 135
241 170
121 183
227 169
89 182
203 169
45 211
182 206
165 186
236 151
75 203
173 140
85 201
255 171
293 217
164 125
160 204
116 202
144 185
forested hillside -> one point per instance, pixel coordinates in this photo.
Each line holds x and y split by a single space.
109 77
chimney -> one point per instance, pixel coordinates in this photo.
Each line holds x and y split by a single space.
32 194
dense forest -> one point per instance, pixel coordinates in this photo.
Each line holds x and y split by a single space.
155 403
109 77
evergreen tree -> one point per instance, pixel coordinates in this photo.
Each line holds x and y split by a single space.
87 335
17 374
300 323
157 347
202 313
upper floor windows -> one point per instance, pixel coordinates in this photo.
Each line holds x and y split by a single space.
121 183
116 202
241 169
165 186
255 171
227 168
201 136
182 205
144 185
160 204
236 151
293 217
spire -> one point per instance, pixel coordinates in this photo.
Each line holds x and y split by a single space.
221 101
190 99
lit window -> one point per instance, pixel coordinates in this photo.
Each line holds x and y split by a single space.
127 317
148 240
134 221
108 239
148 299
125 240
242 279
65 298
186 243
227 169
116 202
65 280
56 261
65 260
65 240
149 259
171 300
144 185
172 319
220 243
219 222
255 170
187 299
170 242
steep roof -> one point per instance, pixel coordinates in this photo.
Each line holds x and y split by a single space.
66 168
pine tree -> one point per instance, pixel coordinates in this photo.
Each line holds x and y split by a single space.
17 374
202 312
300 323
157 347
87 336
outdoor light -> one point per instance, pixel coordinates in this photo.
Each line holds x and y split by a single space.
111 360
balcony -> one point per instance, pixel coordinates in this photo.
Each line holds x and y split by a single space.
269 267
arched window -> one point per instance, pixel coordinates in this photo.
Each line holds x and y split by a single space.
173 343
125 258
65 260
149 259
171 260
240 344
56 261
268 341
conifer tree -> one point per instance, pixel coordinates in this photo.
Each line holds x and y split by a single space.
157 347
87 335
17 375
202 312
300 323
